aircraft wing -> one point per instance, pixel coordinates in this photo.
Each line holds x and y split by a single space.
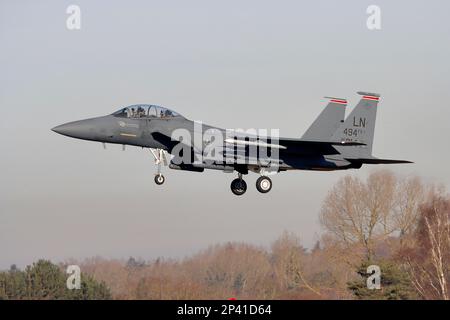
292 146
302 147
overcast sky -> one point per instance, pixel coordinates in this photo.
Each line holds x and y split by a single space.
245 64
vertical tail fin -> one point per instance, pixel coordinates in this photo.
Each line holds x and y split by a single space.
328 121
359 126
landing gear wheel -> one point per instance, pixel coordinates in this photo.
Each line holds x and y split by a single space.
263 184
159 179
238 186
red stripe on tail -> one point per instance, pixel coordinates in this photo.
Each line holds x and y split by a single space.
338 101
371 98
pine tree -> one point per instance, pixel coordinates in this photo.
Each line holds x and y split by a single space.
395 283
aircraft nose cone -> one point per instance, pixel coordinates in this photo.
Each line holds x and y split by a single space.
83 129
68 129
60 129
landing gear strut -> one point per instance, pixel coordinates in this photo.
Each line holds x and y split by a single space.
263 184
238 186
159 156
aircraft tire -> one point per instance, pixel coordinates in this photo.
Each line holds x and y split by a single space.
238 187
263 184
159 179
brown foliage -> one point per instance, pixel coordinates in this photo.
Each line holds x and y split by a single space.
361 214
383 218
237 270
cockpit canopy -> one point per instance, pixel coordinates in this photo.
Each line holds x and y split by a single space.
145 111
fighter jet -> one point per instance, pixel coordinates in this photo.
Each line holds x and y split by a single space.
332 142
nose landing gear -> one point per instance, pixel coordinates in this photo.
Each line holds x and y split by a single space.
159 156
159 179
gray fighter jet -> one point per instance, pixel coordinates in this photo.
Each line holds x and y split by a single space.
330 143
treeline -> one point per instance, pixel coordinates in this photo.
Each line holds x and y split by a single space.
399 224
44 280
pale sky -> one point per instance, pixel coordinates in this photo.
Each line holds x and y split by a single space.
234 64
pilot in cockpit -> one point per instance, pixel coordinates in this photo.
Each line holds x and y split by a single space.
140 112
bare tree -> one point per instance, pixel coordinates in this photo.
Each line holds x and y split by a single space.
290 260
358 213
410 195
428 259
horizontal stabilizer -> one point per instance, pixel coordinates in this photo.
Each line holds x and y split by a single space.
347 143
379 161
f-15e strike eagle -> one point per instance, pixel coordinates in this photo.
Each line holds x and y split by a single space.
330 143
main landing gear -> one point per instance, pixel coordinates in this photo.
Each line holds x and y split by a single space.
159 156
239 186
263 184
